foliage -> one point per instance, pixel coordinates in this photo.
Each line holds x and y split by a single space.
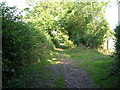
61 38
85 22
117 46
23 44
80 22
28 40
48 22
16 44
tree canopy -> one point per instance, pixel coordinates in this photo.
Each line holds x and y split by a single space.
30 39
81 22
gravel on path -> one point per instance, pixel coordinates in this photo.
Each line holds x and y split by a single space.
74 77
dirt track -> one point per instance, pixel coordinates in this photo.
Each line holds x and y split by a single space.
73 77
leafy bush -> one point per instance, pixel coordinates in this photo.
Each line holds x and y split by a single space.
16 41
117 45
60 38
23 43
85 23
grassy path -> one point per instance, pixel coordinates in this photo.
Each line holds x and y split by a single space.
63 74
74 68
75 77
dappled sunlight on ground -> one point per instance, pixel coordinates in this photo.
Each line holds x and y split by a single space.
54 58
59 49
105 52
54 61
74 68
79 67
66 55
